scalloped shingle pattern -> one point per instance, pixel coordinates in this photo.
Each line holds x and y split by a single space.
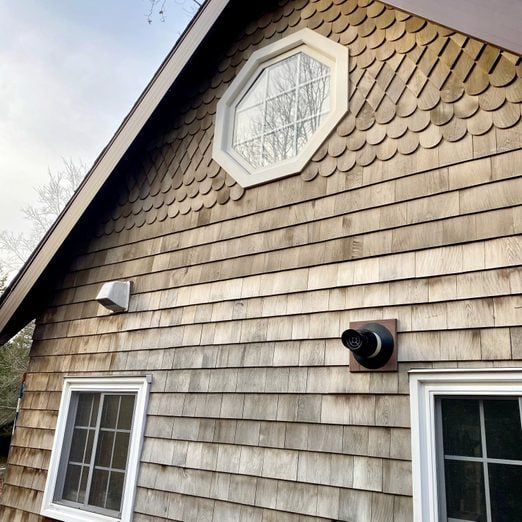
412 84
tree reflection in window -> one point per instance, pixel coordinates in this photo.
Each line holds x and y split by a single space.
282 109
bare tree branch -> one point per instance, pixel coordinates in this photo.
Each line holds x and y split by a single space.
190 8
53 195
14 250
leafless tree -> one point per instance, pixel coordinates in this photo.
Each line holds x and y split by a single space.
14 250
53 195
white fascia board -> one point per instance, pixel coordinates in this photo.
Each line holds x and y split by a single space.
110 157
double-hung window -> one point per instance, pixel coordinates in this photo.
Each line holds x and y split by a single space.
96 450
467 445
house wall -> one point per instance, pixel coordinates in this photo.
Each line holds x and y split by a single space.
410 210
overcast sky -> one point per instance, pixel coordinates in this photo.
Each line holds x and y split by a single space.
70 70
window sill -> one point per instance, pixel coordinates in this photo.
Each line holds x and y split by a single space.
68 514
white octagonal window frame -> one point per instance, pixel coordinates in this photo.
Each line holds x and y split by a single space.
319 48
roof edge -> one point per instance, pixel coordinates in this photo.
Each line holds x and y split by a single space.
103 166
472 17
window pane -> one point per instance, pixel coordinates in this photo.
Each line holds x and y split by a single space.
280 111
111 425
114 494
282 76
461 427
251 151
311 69
465 498
88 449
278 146
121 447
78 445
503 429
71 485
87 410
110 411
83 484
104 450
256 94
249 124
98 488
506 498
275 106
126 412
305 129
314 98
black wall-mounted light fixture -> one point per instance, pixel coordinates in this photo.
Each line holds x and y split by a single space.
372 345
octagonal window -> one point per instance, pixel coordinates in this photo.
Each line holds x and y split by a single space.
279 109
282 109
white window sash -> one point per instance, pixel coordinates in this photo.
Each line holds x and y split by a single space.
425 387
136 385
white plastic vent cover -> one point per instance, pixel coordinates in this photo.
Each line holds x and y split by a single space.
115 296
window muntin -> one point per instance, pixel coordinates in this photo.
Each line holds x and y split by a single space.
99 432
281 110
95 456
501 444
480 458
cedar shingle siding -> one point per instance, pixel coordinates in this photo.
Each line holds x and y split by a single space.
410 210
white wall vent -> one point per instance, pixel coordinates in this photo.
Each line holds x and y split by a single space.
115 296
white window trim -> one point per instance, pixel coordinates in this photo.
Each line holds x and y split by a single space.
319 47
139 386
425 387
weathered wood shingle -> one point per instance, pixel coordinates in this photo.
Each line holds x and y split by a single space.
409 210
